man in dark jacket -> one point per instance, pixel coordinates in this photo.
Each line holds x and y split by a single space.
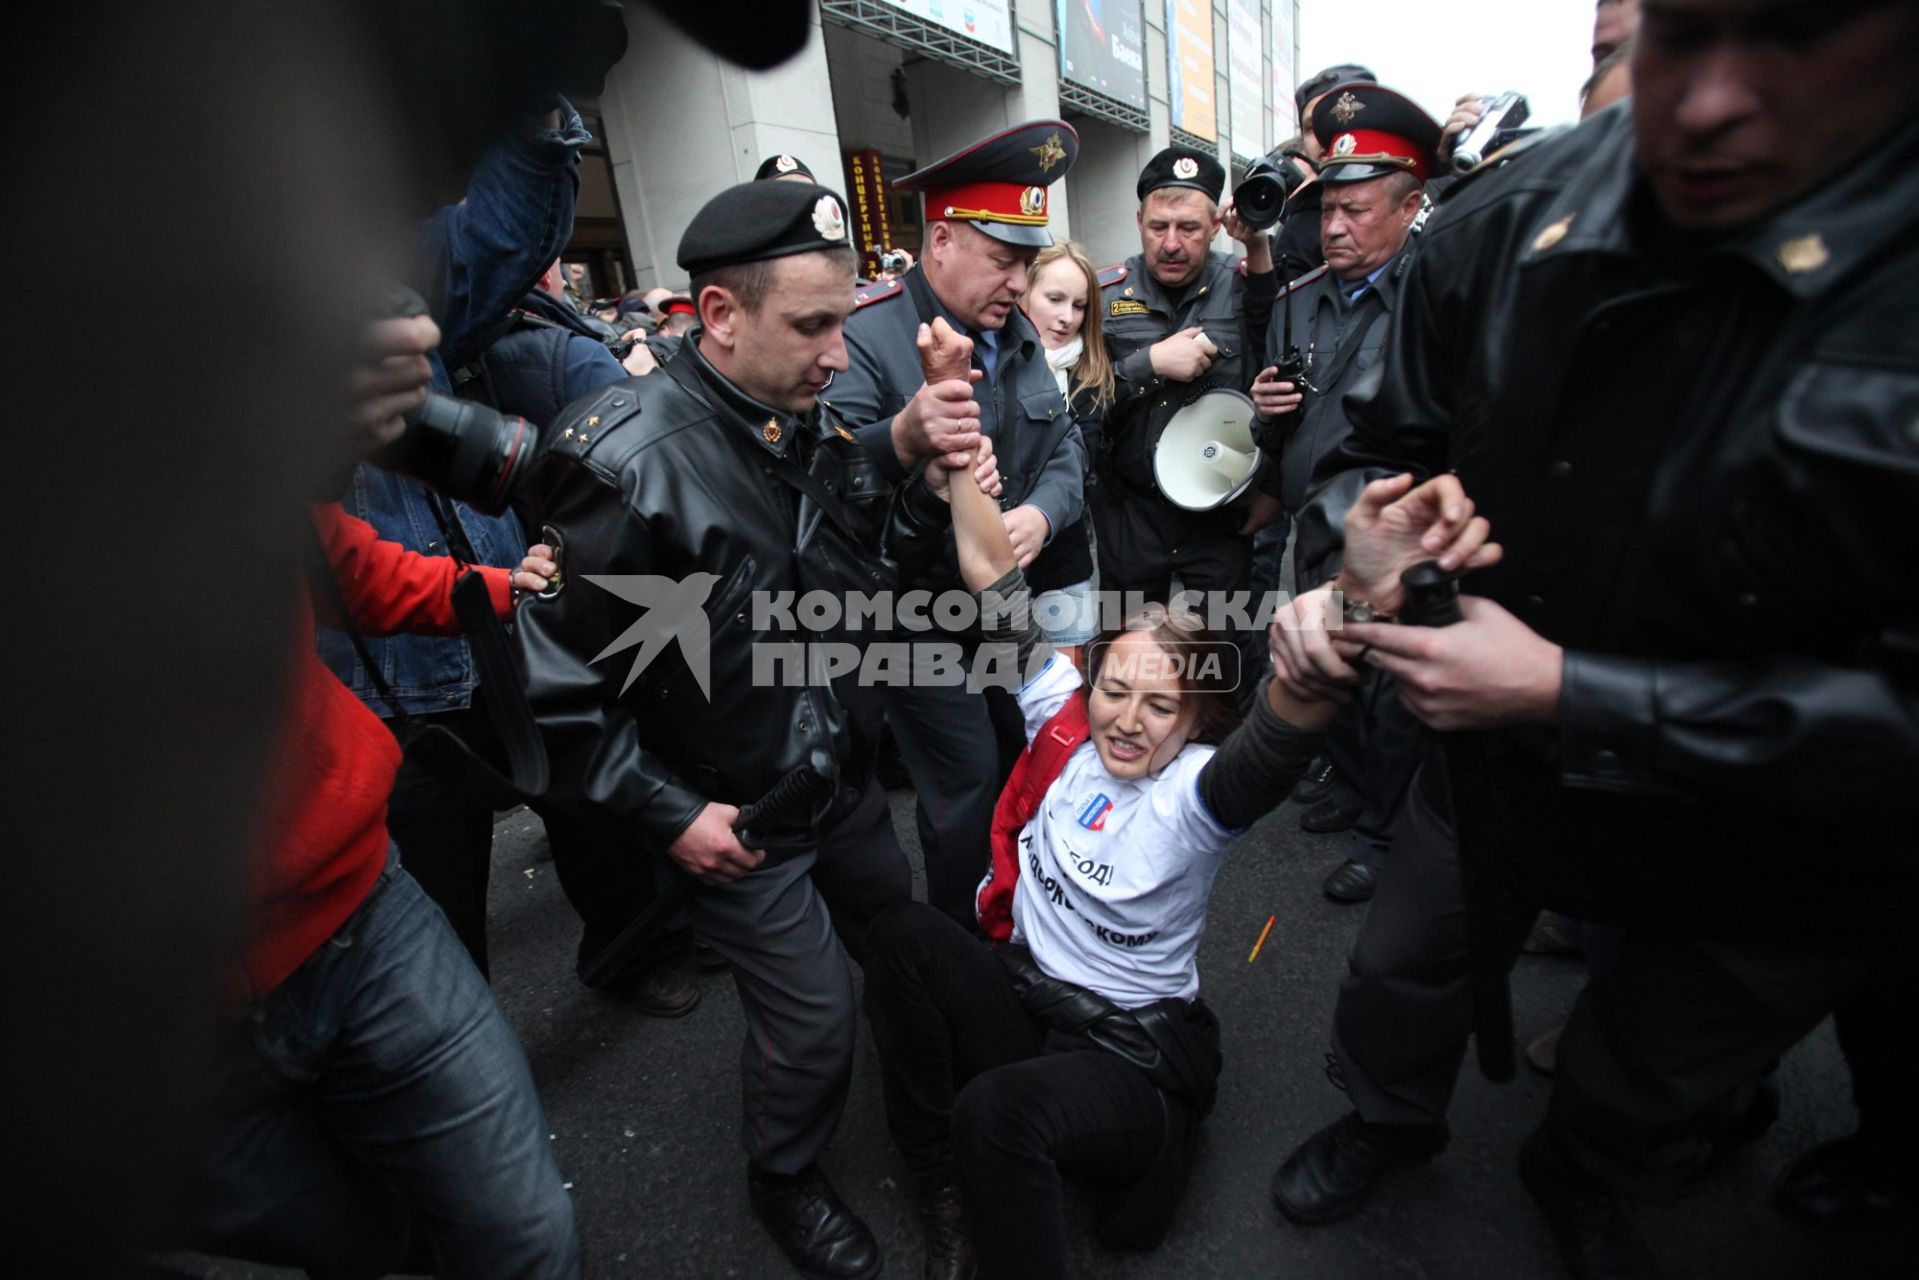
1670 355
1337 317
698 494
1181 320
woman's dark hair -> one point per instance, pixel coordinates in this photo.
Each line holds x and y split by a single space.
1210 687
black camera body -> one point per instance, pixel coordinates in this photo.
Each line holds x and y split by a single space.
1271 433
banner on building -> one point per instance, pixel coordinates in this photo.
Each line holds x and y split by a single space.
1246 77
866 188
988 21
1285 74
1189 66
1103 47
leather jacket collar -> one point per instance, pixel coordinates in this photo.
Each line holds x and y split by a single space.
773 430
1806 248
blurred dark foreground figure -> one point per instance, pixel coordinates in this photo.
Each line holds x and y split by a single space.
165 505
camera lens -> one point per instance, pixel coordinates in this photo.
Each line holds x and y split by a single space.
465 450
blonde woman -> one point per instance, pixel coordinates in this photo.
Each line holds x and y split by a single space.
1061 299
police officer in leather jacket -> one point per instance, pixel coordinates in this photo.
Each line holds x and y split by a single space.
680 505
1671 356
1180 320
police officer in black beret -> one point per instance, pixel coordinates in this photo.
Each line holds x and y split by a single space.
1181 319
986 213
674 502
785 167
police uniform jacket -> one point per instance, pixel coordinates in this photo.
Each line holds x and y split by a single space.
683 476
1233 309
1042 460
1701 458
1343 340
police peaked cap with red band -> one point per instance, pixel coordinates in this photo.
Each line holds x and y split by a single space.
999 183
1368 131
677 305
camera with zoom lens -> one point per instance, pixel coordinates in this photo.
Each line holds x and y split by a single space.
1499 121
1260 199
895 261
460 448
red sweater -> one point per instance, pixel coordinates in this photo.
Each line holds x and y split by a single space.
325 832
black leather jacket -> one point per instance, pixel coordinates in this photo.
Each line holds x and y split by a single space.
681 474
1702 459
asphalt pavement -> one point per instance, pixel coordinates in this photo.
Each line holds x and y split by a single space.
644 1115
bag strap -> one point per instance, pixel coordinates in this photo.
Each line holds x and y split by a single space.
1046 756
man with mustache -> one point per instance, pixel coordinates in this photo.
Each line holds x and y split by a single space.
1180 319
1670 355
986 212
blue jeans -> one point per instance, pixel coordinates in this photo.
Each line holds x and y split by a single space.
375 1113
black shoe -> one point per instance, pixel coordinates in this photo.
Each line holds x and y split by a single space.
669 986
811 1224
1336 812
1326 1176
1317 782
949 1250
1591 1223
1350 882
706 958
1848 1180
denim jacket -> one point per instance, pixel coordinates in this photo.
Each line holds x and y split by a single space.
476 259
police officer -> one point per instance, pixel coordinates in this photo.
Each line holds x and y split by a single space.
986 211
689 490
1181 319
1379 152
1670 355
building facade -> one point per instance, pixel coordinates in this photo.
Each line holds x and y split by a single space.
885 86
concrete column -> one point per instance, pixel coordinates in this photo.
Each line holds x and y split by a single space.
682 125
1103 185
954 107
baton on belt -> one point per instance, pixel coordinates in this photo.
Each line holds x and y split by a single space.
1432 600
792 796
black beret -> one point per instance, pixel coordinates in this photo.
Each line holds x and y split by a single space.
781 165
756 221
1312 88
1183 167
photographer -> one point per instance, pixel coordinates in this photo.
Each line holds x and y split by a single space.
478 258
1685 702
375 1112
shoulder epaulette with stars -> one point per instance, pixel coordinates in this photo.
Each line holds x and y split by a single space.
1304 280
574 434
877 293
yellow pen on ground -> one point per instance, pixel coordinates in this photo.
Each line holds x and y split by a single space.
1262 940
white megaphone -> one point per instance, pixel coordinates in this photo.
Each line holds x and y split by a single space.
1206 456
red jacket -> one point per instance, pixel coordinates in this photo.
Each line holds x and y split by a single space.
325 837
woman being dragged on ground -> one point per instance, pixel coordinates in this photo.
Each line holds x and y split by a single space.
1079 1043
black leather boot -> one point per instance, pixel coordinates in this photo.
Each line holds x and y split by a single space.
949 1250
1317 782
1591 1223
820 1236
1351 881
1327 1176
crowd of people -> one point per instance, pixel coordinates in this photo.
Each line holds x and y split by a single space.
1559 453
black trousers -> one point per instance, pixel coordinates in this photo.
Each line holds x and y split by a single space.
1656 1047
1376 744
981 1095
444 830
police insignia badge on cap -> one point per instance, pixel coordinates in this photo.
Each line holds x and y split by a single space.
828 220
1345 144
1347 107
1050 153
1185 167
785 164
1032 201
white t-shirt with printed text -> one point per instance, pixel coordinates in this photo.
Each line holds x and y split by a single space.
1115 874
